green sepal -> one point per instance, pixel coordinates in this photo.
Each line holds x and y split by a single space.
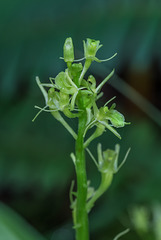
63 84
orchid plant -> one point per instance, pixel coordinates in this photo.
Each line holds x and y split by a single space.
72 95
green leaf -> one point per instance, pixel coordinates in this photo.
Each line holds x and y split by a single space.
14 227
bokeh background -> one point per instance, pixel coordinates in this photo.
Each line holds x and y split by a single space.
35 166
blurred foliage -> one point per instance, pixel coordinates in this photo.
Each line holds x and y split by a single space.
14 227
146 221
35 167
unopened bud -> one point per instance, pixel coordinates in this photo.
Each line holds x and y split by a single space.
68 50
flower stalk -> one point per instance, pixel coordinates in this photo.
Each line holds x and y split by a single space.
81 226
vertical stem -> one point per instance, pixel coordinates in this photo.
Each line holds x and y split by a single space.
82 230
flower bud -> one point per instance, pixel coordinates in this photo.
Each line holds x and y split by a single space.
68 50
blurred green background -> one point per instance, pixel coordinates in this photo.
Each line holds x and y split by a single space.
35 166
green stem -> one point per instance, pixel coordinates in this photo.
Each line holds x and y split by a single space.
82 229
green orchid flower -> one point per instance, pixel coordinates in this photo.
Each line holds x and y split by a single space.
91 47
107 164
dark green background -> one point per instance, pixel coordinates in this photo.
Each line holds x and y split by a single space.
35 166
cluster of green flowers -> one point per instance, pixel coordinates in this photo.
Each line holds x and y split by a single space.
69 86
71 94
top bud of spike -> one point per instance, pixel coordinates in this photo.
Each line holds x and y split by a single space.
68 50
